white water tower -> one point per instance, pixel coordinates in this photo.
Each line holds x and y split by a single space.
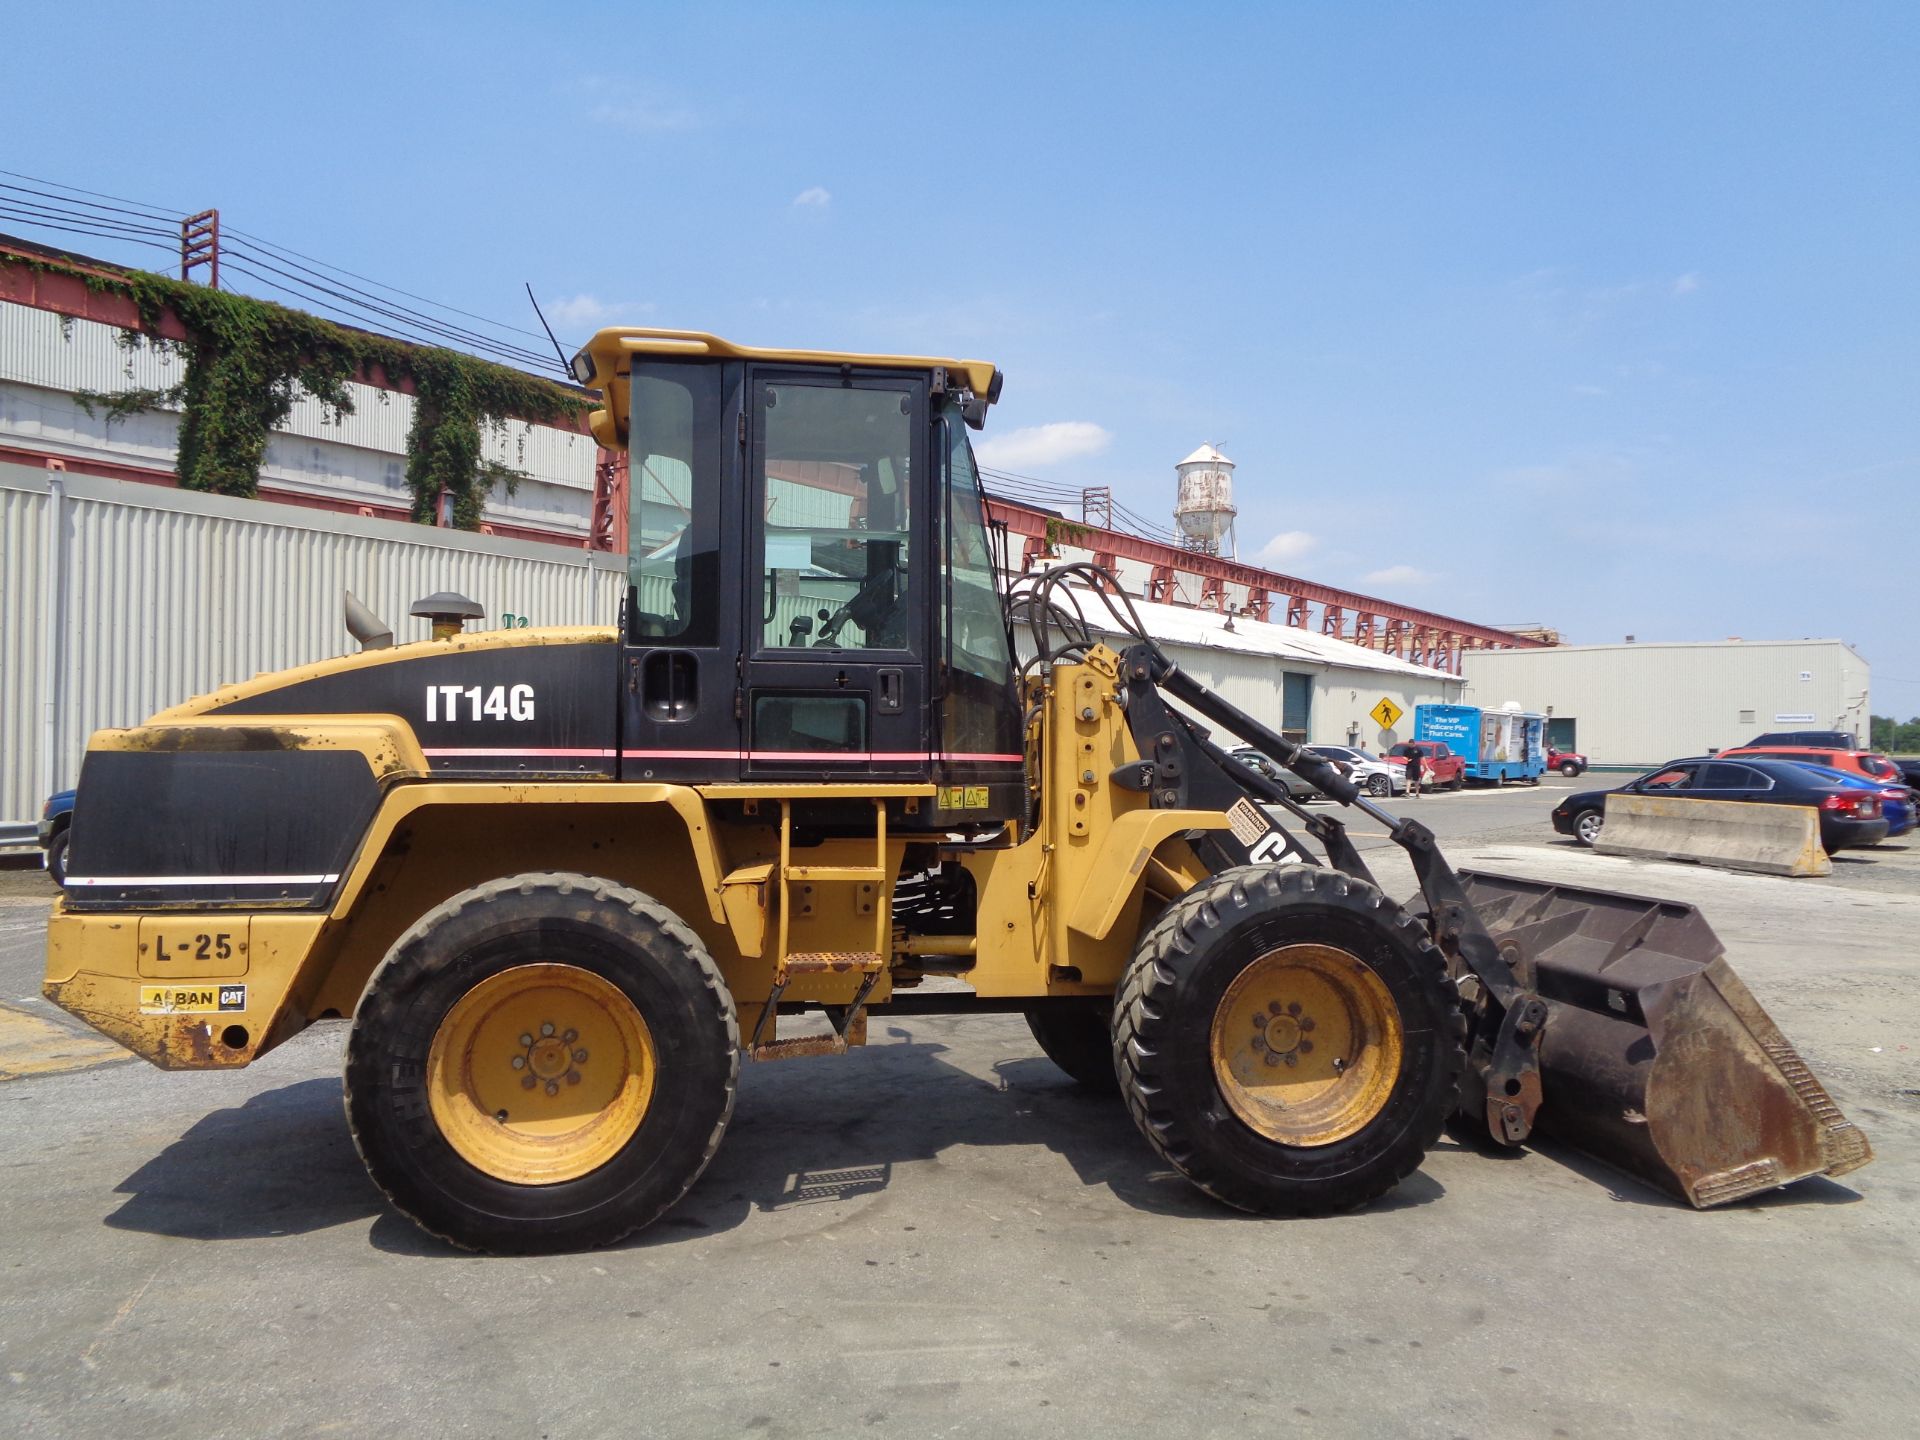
1203 508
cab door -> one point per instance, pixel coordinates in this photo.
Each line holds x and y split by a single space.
679 666
835 611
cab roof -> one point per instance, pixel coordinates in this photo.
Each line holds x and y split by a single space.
604 361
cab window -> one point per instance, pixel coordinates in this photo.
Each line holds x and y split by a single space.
835 556
673 507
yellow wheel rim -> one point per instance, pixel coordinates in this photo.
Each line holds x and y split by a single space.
541 1074
1306 1045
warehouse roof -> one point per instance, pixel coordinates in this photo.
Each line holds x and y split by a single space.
1182 625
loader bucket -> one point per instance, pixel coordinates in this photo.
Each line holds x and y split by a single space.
1655 1059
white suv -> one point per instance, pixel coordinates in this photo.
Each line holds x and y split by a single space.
1369 771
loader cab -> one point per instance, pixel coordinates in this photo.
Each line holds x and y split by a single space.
811 596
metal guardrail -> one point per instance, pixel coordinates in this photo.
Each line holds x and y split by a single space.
18 832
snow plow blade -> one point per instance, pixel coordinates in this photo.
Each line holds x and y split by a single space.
1655 1059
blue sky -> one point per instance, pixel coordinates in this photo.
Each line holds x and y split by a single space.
1598 316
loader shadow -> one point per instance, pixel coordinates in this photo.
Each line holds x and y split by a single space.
281 1164
804 1134
1625 1189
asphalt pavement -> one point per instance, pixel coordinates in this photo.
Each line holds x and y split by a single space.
941 1235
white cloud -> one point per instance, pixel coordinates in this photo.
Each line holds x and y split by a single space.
1035 445
589 312
1289 545
814 197
644 117
1686 284
1397 575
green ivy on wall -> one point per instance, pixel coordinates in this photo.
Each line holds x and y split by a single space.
248 360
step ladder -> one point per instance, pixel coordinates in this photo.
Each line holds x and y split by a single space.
796 885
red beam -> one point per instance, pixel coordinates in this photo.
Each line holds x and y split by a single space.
1031 522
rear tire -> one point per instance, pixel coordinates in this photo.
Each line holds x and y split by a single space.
1258 1117
480 1135
1079 1039
1569 769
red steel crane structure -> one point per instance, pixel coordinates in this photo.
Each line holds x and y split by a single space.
1177 576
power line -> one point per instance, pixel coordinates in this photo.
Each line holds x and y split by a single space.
154 212
41 208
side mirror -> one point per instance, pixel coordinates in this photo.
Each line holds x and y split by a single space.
975 413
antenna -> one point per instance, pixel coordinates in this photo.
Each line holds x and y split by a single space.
565 368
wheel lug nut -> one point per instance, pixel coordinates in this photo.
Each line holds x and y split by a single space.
527 1082
553 1087
1273 1007
580 1056
1273 1057
1294 1008
519 1062
1306 1047
546 1028
1292 1059
527 1040
571 1036
1306 1022
573 1077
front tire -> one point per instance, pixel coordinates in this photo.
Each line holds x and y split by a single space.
1288 1039
1586 826
1379 785
57 857
546 1062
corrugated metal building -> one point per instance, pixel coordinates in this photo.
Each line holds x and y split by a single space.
121 598
1639 705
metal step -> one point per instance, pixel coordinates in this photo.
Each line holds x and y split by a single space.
872 874
830 962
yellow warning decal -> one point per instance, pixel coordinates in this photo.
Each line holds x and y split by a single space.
963 797
191 999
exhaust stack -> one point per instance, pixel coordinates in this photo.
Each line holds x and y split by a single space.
368 628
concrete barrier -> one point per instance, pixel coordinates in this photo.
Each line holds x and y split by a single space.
1733 834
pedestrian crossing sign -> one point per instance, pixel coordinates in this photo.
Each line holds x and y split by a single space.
1386 714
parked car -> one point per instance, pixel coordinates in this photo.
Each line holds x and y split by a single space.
1850 814
56 819
1296 787
1568 762
1897 802
1819 739
1364 768
1909 769
1439 766
1855 762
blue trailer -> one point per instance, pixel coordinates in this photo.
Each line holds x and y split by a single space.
1498 745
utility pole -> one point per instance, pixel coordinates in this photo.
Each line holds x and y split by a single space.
200 245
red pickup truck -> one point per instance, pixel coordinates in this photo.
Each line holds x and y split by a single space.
1567 762
1440 768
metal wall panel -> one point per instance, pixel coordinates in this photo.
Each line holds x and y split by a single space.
1640 705
169 594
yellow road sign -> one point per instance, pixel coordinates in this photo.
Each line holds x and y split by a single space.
1386 713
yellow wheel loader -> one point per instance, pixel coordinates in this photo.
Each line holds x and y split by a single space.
564 880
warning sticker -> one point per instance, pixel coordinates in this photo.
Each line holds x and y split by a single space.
1247 823
963 797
